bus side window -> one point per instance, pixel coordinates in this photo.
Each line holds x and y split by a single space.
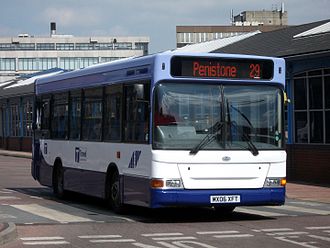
75 115
92 114
136 126
43 118
113 113
59 125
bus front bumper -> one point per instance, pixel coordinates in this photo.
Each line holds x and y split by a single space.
247 197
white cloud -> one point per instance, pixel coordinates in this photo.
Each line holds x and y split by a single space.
71 17
154 18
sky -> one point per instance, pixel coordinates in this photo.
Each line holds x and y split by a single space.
154 18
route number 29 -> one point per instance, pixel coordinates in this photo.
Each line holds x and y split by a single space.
255 71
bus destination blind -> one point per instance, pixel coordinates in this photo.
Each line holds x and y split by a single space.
195 67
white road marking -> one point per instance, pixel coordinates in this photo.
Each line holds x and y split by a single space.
317 227
258 212
160 234
303 244
234 236
7 216
217 232
9 198
36 197
273 230
286 233
112 240
174 238
99 236
41 238
51 213
320 237
46 243
302 210
183 244
5 192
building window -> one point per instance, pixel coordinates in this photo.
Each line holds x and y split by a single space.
27 64
27 117
65 46
46 63
25 46
108 59
142 46
77 63
312 107
14 120
7 64
85 46
45 46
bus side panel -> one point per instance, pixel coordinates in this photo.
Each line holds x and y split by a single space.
85 181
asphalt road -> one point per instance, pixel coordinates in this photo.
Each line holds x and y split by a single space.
80 221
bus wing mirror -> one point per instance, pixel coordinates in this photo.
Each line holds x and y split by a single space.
286 99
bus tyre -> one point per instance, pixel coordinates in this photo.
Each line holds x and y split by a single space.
58 182
115 196
224 210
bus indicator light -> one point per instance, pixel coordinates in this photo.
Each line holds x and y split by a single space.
157 183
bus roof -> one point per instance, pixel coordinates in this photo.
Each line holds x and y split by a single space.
132 69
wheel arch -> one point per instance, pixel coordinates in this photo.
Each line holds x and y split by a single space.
112 168
57 163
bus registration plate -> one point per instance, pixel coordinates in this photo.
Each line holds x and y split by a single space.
225 198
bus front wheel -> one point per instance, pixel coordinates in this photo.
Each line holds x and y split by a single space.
224 210
115 193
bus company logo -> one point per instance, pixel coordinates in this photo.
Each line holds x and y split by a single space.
226 158
134 159
80 154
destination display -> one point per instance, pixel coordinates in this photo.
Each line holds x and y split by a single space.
222 68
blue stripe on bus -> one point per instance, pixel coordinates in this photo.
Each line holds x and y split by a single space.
249 197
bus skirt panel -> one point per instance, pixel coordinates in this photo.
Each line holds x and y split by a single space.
236 197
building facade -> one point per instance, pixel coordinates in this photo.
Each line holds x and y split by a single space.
262 18
25 54
245 22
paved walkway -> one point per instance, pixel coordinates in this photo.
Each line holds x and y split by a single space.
308 192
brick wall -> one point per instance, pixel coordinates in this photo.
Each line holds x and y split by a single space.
309 163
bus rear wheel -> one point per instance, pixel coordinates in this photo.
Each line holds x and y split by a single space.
115 193
58 181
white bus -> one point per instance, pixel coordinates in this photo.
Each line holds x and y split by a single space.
165 130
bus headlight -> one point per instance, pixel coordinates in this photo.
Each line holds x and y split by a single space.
274 182
166 183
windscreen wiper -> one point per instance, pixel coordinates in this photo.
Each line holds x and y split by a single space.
210 137
252 148
246 138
